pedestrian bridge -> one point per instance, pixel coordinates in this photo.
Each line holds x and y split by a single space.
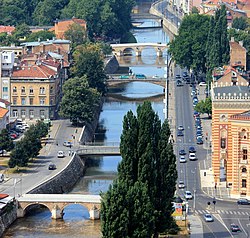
116 81
119 49
99 150
57 202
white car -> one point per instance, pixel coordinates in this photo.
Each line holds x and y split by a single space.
181 185
67 143
60 154
208 218
156 76
192 156
183 159
188 195
202 84
180 128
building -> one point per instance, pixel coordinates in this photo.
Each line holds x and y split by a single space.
7 29
63 25
35 91
4 114
230 95
238 54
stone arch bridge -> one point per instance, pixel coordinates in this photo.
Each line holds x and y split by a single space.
118 49
57 202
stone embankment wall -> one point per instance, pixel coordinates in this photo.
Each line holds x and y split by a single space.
166 22
8 217
111 66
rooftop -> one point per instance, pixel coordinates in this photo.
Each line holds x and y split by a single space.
3 112
234 91
48 42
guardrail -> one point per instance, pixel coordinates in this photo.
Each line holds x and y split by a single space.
99 150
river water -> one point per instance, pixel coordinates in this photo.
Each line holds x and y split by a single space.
102 170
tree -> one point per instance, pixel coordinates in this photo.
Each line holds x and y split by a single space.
5 141
89 61
79 101
188 49
195 10
76 34
204 106
146 179
40 36
240 23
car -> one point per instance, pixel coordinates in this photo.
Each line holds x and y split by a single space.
181 185
67 143
192 156
60 154
234 227
20 127
13 136
191 149
26 126
180 128
243 201
197 123
177 76
180 133
182 152
179 83
124 77
52 166
188 195
198 133
182 159
202 84
199 141
208 218
184 74
196 114
140 76
195 103
193 93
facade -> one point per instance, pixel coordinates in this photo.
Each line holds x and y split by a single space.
4 113
238 54
35 91
230 130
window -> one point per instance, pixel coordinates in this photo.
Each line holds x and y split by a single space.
42 113
23 90
5 89
244 154
42 90
15 113
42 101
223 143
23 112
5 57
14 89
243 183
31 90
23 101
244 170
14 100
51 90
51 101
31 113
31 101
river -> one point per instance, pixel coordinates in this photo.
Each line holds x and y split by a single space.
103 169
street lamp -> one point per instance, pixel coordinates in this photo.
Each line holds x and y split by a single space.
193 172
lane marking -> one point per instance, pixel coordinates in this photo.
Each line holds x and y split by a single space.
222 222
242 227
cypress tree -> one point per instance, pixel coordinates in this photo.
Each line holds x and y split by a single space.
210 43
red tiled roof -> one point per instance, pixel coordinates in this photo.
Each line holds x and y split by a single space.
3 112
34 71
236 46
7 103
7 29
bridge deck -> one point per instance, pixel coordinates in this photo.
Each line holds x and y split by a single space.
99 150
70 198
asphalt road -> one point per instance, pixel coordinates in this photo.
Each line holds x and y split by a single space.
224 212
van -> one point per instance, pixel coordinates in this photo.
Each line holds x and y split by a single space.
1 178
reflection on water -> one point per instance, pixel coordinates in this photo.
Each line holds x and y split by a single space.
103 170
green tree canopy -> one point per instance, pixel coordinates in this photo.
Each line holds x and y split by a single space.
89 61
204 106
139 204
240 23
5 141
40 36
79 100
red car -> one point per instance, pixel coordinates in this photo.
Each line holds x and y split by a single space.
13 136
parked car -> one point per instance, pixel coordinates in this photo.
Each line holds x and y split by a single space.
182 152
179 83
184 74
180 133
202 84
180 128
191 149
177 76
124 77
243 201
13 136
52 166
208 218
188 195
199 141
192 156
60 154
234 228
196 114
181 185
182 159
67 143
156 76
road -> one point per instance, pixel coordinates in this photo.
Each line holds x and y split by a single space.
38 170
224 212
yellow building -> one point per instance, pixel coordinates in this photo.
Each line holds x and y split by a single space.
35 91
231 130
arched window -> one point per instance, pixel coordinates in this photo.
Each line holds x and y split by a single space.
14 89
42 90
244 170
31 90
23 90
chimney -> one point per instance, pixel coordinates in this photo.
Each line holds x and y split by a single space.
232 39
241 43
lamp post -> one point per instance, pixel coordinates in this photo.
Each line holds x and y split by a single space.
193 172
168 63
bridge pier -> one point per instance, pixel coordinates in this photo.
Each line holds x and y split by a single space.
94 213
56 213
119 53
